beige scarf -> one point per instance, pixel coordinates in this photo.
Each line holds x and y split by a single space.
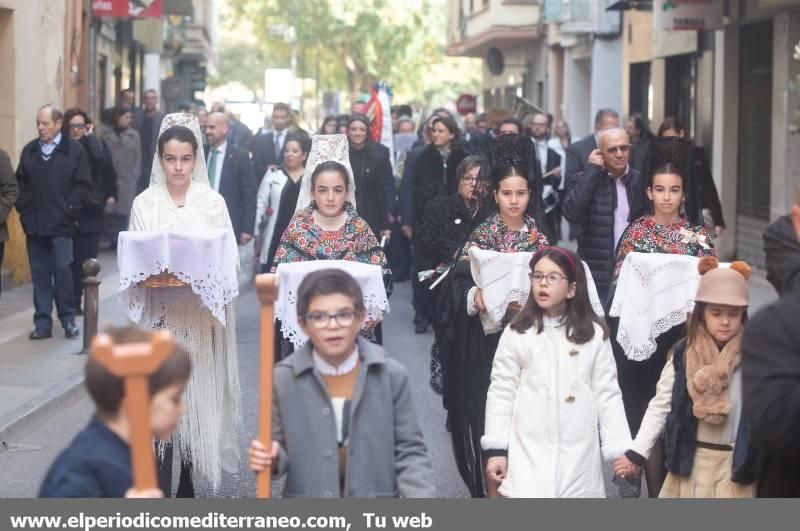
708 374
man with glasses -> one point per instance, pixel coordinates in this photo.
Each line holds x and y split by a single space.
605 197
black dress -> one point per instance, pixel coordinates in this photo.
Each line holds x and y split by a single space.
375 188
288 204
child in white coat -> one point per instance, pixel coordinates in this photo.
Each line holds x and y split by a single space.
553 386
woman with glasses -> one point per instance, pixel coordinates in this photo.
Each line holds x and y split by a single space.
664 229
86 241
326 225
505 228
126 153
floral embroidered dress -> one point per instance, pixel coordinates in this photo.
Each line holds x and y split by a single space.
305 240
494 235
646 236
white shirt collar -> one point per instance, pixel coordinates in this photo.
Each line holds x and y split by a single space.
327 369
220 148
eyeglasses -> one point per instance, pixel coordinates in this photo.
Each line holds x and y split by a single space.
621 149
77 127
469 179
551 278
323 320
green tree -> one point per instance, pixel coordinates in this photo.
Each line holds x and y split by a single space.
356 44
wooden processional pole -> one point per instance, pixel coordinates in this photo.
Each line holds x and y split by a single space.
134 363
267 289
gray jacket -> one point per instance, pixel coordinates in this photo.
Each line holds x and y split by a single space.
387 455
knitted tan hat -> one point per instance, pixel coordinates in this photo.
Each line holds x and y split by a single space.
726 286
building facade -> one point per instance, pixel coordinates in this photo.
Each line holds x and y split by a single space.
509 36
730 87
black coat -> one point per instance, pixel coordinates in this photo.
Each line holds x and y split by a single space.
52 192
104 185
771 395
96 464
577 157
430 179
406 206
239 187
782 256
375 189
445 227
591 203
263 149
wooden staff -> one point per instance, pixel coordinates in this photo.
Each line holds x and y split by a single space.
267 289
135 362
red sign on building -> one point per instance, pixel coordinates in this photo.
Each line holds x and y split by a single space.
127 8
466 103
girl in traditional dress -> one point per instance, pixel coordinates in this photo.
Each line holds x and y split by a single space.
508 230
554 380
663 231
180 198
698 401
326 225
277 198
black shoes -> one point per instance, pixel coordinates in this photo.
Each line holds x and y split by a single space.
420 324
71 330
41 334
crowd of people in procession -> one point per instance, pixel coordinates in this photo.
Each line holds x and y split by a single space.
537 398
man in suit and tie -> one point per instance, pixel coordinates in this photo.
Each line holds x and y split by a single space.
230 173
578 154
268 149
549 161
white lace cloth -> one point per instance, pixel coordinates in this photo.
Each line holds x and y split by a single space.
655 292
368 276
503 279
198 258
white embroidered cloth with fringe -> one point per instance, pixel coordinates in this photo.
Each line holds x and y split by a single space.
655 292
201 259
503 279
368 276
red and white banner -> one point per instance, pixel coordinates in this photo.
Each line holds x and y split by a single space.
127 8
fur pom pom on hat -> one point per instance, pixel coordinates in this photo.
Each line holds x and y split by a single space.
726 286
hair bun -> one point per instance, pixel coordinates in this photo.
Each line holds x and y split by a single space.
743 268
707 263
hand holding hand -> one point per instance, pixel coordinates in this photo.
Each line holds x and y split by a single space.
260 459
624 467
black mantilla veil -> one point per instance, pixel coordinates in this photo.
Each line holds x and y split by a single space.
518 151
678 152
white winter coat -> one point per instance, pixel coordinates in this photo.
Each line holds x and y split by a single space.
547 400
269 195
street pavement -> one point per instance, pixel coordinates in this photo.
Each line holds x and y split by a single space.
37 373
25 461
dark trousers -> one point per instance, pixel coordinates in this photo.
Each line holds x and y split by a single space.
51 263
399 255
422 298
115 223
2 250
84 246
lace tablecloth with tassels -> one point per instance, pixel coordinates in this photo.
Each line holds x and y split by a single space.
201 259
368 276
655 292
503 279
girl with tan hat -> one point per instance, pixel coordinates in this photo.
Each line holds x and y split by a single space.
698 401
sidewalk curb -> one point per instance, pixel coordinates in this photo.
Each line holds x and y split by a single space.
32 414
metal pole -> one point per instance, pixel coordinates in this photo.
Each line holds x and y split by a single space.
91 301
92 74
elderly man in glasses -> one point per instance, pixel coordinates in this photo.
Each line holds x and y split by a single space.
606 196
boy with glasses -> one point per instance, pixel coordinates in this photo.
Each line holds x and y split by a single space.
344 423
